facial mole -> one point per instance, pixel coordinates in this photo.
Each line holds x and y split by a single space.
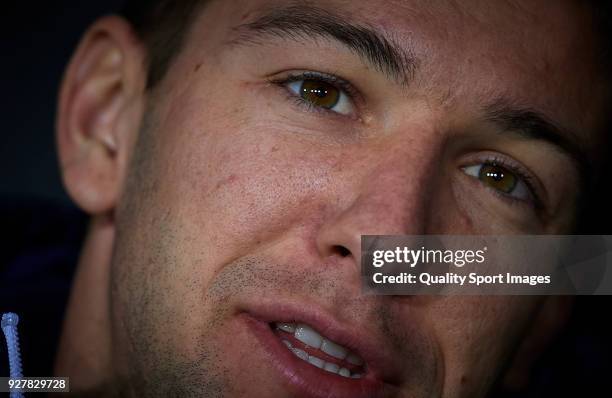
232 178
197 67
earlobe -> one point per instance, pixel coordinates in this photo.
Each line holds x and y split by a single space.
99 112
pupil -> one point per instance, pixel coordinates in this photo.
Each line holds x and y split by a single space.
320 93
496 175
498 178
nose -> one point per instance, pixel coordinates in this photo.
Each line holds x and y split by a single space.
395 197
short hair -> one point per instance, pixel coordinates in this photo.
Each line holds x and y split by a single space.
162 26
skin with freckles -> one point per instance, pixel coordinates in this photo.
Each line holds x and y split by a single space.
223 189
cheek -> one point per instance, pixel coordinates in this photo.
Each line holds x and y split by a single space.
217 191
236 180
477 336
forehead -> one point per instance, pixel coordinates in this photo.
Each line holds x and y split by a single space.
537 54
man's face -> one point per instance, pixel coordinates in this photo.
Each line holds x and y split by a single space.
280 135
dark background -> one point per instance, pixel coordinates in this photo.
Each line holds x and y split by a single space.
37 39
41 230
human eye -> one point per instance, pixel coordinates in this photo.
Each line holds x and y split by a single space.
507 179
322 92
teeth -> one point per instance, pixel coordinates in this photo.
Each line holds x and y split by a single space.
286 327
318 362
328 366
300 354
308 336
333 349
311 338
354 359
331 367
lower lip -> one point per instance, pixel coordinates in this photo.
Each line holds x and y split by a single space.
306 380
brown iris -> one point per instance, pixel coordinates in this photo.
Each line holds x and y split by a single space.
498 177
320 93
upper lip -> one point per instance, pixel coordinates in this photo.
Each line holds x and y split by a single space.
378 358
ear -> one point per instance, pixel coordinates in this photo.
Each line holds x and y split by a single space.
549 321
99 114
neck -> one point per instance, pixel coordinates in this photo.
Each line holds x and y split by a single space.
84 352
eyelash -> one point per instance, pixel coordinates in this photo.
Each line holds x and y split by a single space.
524 175
351 92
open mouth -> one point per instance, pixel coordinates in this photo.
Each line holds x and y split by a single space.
318 357
317 350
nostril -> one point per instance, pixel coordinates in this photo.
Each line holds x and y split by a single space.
341 251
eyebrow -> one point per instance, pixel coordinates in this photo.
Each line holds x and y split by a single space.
299 22
304 22
531 124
